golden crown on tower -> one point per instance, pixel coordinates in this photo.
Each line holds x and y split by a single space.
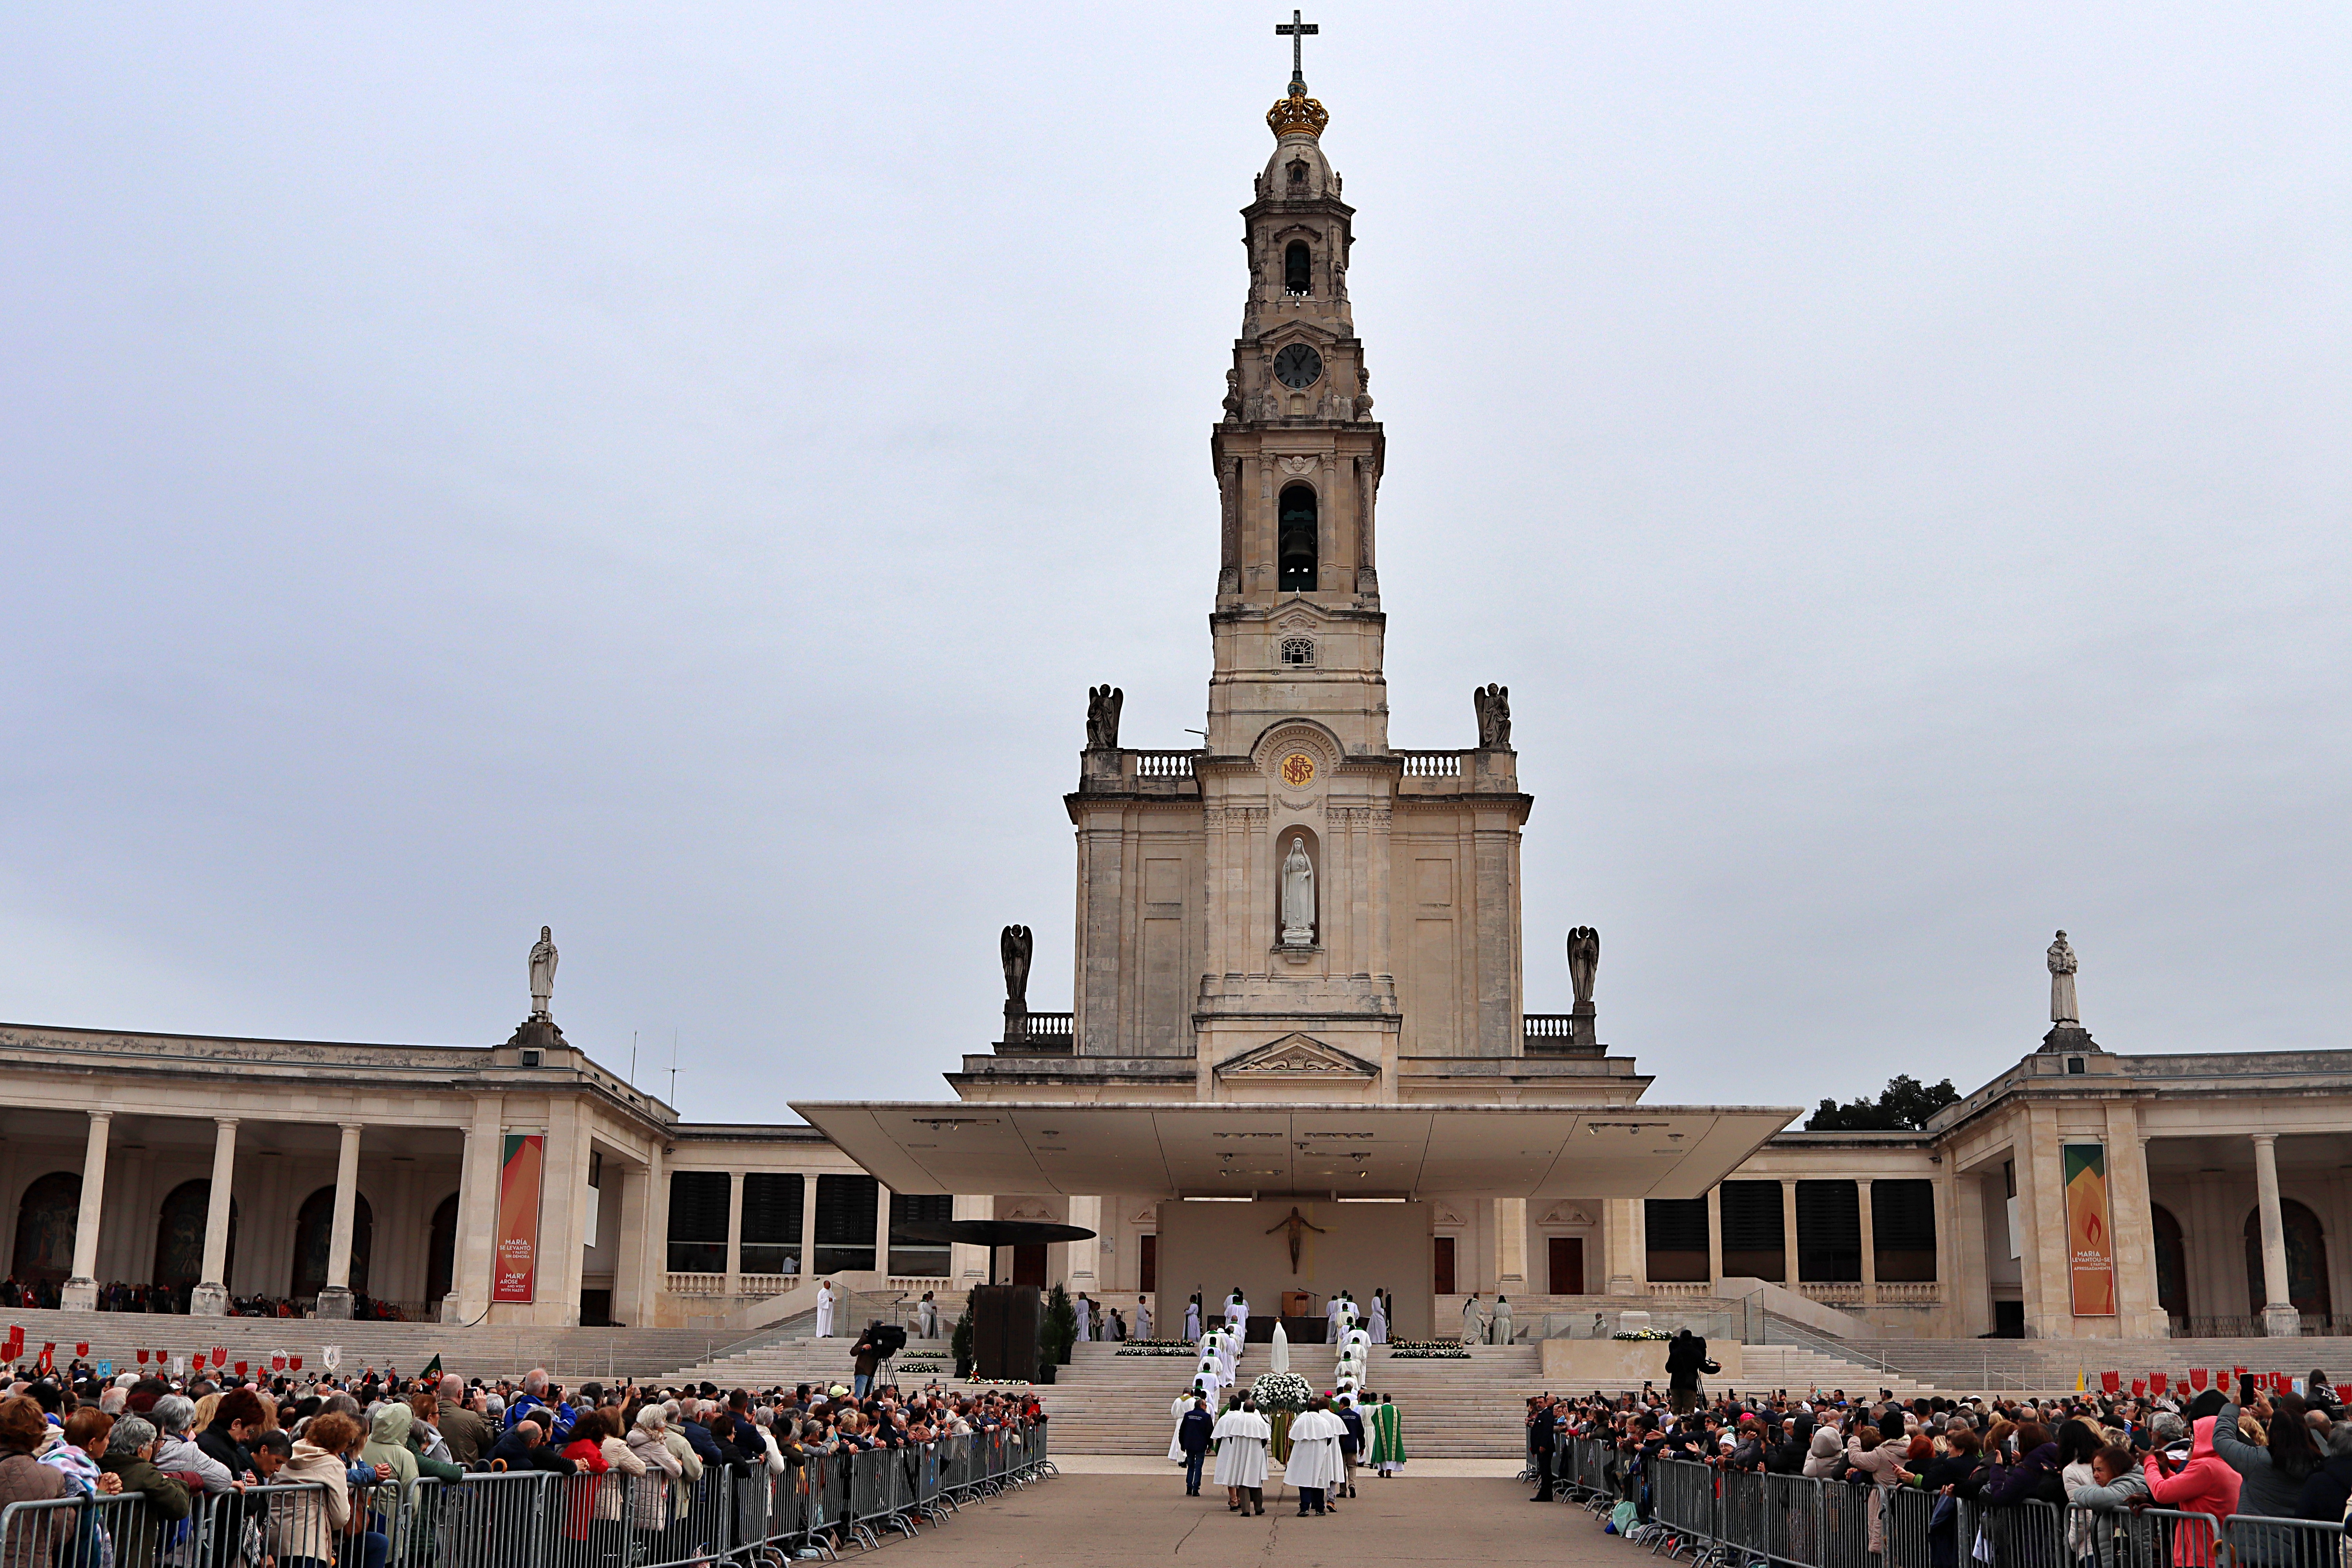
1298 112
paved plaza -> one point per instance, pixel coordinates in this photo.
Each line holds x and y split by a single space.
1086 1519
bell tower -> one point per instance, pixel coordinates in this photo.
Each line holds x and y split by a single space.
1298 627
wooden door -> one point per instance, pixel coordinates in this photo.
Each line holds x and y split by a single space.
1567 1265
1444 1282
1151 1280
1029 1266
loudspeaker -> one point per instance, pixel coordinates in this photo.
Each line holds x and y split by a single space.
1004 1320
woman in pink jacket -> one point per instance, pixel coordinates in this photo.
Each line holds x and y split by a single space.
2203 1484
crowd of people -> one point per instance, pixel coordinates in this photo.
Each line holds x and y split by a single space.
2280 1455
69 1433
123 1296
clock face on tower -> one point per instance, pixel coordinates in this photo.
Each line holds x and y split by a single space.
1298 365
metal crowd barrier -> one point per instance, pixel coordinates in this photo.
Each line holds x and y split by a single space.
1741 1518
730 1518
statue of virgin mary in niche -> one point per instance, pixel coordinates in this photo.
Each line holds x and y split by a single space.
1297 896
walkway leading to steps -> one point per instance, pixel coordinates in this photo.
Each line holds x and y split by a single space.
1085 1520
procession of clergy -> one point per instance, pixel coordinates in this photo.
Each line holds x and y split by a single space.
1325 1438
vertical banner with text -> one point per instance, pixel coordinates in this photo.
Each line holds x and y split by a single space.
515 1261
2090 1246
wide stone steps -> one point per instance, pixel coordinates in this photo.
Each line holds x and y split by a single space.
572 1355
1769 1368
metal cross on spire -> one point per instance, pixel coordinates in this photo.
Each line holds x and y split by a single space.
1298 31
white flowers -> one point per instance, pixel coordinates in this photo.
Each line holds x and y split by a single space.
1281 1390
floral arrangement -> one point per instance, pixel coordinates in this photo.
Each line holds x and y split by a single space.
1454 1344
1431 1352
917 1366
1281 1390
1179 1348
1643 1334
1159 1344
998 1382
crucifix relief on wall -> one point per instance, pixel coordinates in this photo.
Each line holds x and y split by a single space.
1297 1224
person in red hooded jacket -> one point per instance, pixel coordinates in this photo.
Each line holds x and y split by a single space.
2202 1484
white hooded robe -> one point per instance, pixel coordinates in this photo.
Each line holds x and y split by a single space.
1242 1437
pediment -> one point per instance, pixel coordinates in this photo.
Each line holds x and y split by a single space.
1297 1056
1445 1215
1564 1214
1030 1211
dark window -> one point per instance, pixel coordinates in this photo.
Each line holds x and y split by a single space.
1150 1266
1298 650
1828 1233
180 1236
772 1222
2171 1267
913 1254
314 1233
1297 269
844 1223
1755 1241
1442 1273
1297 171
46 1222
698 1222
1677 1237
1903 1231
2306 1261
1294 560
441 1253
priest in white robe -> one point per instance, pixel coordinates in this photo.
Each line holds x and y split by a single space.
1143 1317
1474 1322
1176 1409
1237 1312
1378 1325
1242 1437
1085 1310
825 1300
1314 1467
1192 1316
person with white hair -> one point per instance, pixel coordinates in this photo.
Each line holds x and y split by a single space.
175 1446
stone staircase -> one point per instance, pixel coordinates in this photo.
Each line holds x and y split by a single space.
1802 1370
804 1359
572 1355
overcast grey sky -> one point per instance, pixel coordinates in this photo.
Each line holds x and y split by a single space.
671 473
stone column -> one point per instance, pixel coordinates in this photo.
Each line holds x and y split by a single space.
478 1200
1511 1246
631 1292
968 1265
1960 1254
1086 1257
808 1227
734 1285
1789 1261
882 1230
1869 1242
2280 1320
210 1298
2042 1208
2131 1212
80 1293
1622 1239
335 1300
1715 1234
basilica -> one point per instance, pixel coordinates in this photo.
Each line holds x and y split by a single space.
1297 1058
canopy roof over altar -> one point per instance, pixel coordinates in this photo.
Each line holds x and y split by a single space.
1219 1149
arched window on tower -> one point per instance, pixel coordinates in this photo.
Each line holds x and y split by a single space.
1295 555
1297 269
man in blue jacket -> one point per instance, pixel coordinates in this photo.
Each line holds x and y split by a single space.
1192 1438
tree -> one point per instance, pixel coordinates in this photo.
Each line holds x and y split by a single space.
1904 1105
960 1344
1057 1330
